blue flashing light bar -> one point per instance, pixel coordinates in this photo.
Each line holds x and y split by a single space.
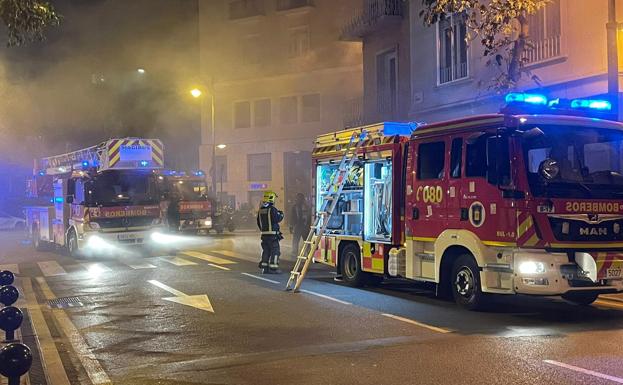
199 173
58 199
520 97
144 163
42 173
85 164
394 128
593 104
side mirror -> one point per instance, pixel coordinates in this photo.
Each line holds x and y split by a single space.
69 199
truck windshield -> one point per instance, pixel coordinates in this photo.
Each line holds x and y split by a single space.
574 162
113 188
191 190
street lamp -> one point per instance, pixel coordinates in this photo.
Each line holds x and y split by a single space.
221 146
141 70
197 93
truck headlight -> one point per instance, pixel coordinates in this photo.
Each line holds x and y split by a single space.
94 225
207 222
531 267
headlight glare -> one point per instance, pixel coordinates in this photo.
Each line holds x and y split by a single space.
531 267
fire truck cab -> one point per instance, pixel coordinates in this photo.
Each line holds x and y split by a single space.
185 201
526 201
102 198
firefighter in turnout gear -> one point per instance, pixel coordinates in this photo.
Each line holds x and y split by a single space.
268 218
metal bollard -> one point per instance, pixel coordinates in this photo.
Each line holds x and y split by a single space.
10 320
8 295
15 361
6 278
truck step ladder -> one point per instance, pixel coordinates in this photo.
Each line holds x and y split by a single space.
329 202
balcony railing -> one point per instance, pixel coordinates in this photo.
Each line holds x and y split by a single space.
352 112
286 5
372 17
241 9
542 49
449 74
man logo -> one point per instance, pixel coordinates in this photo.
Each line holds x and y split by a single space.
477 214
593 231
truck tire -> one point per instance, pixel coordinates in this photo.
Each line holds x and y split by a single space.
580 297
72 245
350 267
465 283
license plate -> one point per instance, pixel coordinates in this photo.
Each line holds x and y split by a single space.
614 273
125 237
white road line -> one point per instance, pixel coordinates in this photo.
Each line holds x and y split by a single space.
326 297
12 267
261 278
416 323
171 290
89 361
585 371
51 268
228 253
177 261
219 267
140 265
208 257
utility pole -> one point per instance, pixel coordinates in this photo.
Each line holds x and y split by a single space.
613 56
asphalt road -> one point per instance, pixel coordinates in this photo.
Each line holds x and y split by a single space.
204 315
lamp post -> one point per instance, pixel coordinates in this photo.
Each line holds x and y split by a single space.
197 93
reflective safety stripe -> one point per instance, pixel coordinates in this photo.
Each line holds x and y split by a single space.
263 264
269 232
273 266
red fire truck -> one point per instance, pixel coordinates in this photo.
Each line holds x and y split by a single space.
526 201
192 210
102 197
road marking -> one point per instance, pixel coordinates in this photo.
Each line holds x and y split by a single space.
177 261
416 323
219 267
326 297
95 268
261 278
51 360
585 371
200 301
208 258
12 267
89 362
228 253
51 268
140 265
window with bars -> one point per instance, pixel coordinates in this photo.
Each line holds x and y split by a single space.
298 41
544 34
452 48
387 83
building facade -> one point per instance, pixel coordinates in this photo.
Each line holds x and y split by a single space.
279 75
439 75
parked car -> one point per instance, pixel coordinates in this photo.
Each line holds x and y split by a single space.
10 222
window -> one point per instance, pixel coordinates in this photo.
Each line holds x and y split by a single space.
476 159
288 109
298 41
250 49
431 158
261 113
242 114
387 82
220 163
240 9
259 167
455 157
310 108
544 33
452 45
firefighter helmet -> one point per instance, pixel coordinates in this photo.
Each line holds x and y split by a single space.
269 197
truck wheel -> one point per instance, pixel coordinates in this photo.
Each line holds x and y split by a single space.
72 245
350 267
466 288
580 297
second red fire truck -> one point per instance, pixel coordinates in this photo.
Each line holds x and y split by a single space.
527 201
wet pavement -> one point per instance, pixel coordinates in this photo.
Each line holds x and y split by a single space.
203 315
